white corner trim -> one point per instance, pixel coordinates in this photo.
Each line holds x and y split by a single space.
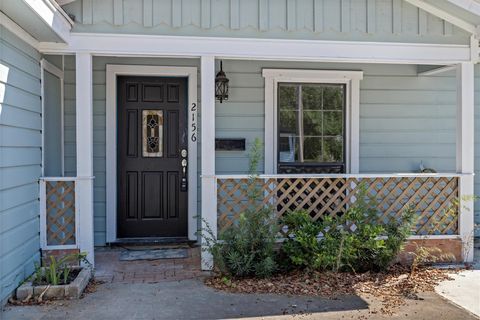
111 138
50 68
465 156
53 16
13 27
352 81
442 14
261 49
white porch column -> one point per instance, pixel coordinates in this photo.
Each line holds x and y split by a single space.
84 136
209 197
465 153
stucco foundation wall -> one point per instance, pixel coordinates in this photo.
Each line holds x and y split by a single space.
20 160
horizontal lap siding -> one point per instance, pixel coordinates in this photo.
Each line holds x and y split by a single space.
404 119
99 126
20 160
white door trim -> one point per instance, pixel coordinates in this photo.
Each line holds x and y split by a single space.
111 138
352 81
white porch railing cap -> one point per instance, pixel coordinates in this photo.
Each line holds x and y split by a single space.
361 175
65 178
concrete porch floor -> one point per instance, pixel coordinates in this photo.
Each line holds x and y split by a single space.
110 269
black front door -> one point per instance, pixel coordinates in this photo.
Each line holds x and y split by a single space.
152 143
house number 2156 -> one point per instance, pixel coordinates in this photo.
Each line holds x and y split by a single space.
193 112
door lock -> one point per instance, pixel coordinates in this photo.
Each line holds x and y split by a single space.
184 153
183 183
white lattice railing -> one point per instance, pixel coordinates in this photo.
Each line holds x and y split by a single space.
58 213
432 196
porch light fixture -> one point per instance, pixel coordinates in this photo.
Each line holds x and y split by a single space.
221 85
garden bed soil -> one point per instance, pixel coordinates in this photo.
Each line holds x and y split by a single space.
37 293
392 288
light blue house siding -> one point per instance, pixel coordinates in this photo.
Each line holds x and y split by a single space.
20 160
404 119
99 103
367 20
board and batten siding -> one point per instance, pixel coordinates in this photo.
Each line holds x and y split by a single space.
20 160
364 20
99 125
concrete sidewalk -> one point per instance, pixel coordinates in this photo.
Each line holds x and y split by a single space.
465 289
191 299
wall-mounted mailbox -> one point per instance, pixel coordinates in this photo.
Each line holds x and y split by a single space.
227 144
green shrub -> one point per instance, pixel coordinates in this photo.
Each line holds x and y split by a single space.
354 241
58 271
247 247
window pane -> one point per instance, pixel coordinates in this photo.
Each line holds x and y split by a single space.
312 97
333 149
288 97
313 149
312 123
288 122
311 129
333 97
288 148
332 123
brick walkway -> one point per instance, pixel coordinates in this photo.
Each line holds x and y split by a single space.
110 269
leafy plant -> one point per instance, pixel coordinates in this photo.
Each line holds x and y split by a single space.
354 241
247 247
423 256
58 270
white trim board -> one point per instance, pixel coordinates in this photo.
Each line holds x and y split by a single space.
261 49
111 138
53 16
50 68
13 27
352 81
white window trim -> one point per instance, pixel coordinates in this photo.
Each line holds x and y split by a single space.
352 81
50 68
111 138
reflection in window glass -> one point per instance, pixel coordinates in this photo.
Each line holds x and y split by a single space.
311 123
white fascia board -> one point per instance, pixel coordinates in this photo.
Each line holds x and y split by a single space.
54 16
468 5
13 27
442 14
261 49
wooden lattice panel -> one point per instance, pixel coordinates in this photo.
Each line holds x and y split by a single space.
60 212
431 197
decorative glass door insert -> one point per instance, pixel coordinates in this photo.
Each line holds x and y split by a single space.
152 133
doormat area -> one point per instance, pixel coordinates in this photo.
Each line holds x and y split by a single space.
155 254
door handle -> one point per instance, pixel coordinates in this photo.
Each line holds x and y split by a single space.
184 163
